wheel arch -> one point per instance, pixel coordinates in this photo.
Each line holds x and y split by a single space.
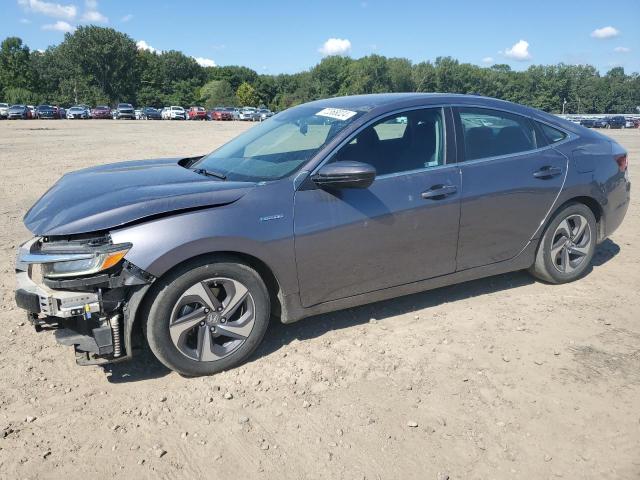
265 271
592 204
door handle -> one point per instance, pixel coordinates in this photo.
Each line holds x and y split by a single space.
547 172
438 192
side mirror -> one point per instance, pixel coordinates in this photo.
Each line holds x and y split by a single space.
345 174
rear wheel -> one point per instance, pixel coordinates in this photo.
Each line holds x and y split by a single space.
208 317
567 246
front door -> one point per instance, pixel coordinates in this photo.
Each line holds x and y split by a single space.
401 229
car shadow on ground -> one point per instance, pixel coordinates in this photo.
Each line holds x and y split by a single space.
145 366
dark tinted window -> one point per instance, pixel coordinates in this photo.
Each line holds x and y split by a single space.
491 133
553 134
404 142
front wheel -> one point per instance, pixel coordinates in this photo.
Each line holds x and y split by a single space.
567 246
208 317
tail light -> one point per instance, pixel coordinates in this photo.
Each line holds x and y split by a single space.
622 162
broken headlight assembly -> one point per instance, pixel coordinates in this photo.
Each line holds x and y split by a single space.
78 264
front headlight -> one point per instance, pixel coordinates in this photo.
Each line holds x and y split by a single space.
86 266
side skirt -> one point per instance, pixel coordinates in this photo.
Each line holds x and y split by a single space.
293 310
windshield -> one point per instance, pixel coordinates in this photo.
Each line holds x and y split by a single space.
278 146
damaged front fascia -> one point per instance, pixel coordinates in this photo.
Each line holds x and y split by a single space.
129 275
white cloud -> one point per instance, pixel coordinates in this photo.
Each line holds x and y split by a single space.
622 49
127 18
487 60
519 51
94 16
26 21
335 46
59 26
49 9
142 45
605 32
205 62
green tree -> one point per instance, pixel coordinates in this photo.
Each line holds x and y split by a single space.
104 58
233 74
15 64
217 93
247 95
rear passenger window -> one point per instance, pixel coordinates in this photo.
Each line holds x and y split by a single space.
411 141
553 134
491 133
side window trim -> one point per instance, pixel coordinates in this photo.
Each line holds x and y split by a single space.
461 153
449 160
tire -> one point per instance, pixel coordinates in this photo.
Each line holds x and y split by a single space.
567 247
180 323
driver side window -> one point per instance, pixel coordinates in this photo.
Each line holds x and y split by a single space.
404 142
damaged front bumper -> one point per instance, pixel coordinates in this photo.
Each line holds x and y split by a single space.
93 314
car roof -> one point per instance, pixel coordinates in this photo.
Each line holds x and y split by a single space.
381 103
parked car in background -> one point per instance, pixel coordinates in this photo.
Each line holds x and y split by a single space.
138 113
284 220
197 113
150 113
60 112
617 121
46 112
264 114
587 122
175 112
33 110
21 112
248 114
600 123
4 110
101 112
124 111
220 113
77 112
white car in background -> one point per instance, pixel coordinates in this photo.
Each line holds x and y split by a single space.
138 114
249 114
4 110
77 111
174 112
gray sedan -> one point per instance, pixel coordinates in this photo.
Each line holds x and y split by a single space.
327 205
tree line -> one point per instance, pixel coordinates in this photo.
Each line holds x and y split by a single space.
96 65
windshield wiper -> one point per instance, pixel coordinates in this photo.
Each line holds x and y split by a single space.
210 173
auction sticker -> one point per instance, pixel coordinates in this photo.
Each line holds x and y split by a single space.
337 113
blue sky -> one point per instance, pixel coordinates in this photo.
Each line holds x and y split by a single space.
289 36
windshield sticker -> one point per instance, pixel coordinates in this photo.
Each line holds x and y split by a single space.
337 113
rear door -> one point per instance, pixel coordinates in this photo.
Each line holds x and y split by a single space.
510 181
401 229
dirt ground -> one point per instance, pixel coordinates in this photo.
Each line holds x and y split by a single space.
501 378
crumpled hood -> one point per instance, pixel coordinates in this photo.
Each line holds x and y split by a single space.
107 196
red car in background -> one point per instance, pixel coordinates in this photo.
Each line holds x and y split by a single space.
101 111
221 114
197 113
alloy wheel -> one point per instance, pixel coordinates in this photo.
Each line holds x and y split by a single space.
571 243
212 319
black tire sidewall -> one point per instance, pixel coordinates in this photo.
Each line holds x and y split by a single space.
551 270
168 293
